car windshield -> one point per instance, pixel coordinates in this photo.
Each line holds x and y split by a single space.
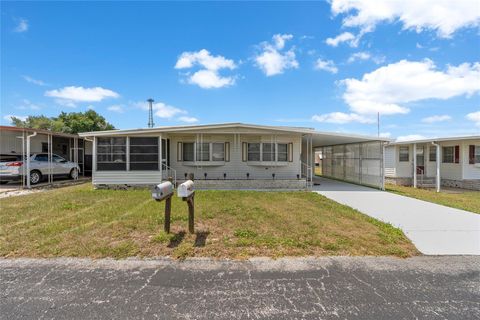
10 157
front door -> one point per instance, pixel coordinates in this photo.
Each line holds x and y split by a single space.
420 160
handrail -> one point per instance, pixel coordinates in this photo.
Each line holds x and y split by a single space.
170 169
307 173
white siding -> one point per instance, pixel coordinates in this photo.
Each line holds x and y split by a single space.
127 177
236 168
470 171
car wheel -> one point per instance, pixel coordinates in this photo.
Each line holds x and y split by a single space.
35 177
73 173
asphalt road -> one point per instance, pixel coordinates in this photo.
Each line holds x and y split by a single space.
327 288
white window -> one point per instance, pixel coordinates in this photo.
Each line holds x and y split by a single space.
404 154
282 152
477 154
432 156
268 151
188 154
203 151
218 151
254 152
448 154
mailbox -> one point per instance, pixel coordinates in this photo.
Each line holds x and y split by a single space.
162 191
186 189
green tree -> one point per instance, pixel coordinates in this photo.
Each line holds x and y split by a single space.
72 122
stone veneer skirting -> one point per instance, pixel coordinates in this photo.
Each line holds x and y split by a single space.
267 184
472 184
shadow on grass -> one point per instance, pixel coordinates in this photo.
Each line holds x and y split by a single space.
201 238
176 239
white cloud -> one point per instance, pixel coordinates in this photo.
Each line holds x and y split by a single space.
82 94
116 108
327 65
363 55
387 88
27 104
208 79
347 37
280 39
204 59
443 16
208 76
273 59
34 81
475 117
188 119
90 107
436 118
8 117
385 134
411 137
22 26
341 118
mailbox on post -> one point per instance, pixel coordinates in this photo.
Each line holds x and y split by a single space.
186 191
164 191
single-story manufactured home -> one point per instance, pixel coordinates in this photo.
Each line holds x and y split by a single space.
455 161
222 156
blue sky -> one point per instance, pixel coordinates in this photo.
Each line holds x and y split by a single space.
327 65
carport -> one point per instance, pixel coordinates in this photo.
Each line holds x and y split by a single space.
17 143
351 158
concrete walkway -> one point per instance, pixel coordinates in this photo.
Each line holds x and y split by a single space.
433 228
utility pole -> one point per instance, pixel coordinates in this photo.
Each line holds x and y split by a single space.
378 124
150 113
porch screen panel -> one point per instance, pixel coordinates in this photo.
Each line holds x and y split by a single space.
111 154
144 153
357 162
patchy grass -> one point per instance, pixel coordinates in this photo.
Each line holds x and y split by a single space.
469 201
78 221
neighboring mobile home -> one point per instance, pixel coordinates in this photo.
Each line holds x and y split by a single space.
414 163
13 142
223 156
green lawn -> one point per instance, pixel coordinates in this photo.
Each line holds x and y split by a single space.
469 201
78 221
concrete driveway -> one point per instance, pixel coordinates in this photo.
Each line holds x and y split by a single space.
433 228
325 288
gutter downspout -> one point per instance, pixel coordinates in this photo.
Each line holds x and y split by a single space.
438 179
28 158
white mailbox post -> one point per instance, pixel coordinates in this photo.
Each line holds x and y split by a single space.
164 191
186 191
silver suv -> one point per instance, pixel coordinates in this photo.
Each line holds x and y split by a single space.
12 167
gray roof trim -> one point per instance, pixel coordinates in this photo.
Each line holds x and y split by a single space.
436 140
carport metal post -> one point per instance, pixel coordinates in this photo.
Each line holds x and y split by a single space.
438 177
28 158
383 165
50 158
414 165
